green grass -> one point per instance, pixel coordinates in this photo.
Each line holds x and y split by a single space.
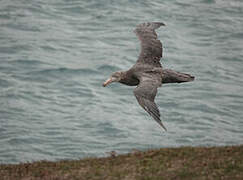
166 163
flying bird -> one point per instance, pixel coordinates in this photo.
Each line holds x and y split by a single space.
147 73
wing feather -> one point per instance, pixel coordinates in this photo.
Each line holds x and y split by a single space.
145 93
151 47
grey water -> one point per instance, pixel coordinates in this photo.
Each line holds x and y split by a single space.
55 55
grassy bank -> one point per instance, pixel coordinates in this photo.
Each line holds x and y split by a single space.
166 163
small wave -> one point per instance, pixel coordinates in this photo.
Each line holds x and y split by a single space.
70 71
27 62
24 27
5 83
63 72
237 35
14 49
108 68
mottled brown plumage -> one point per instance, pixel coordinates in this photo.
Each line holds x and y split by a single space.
147 74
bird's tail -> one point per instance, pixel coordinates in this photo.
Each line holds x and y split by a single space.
170 76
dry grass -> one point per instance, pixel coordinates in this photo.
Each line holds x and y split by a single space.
166 163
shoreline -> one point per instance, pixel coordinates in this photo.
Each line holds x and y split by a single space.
223 162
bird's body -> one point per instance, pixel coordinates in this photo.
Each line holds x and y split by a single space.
147 73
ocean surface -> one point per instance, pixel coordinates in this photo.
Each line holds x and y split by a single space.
55 55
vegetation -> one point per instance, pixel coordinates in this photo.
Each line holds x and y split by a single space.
166 163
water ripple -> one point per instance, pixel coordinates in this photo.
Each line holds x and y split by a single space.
56 54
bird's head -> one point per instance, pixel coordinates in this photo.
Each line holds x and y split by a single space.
115 77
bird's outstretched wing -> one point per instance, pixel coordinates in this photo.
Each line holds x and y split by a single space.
145 93
151 47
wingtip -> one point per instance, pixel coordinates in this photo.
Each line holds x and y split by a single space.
153 25
162 24
159 23
163 127
161 124
191 78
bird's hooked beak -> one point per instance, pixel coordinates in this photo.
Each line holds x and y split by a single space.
108 81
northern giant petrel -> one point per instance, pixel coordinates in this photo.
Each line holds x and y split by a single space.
147 74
